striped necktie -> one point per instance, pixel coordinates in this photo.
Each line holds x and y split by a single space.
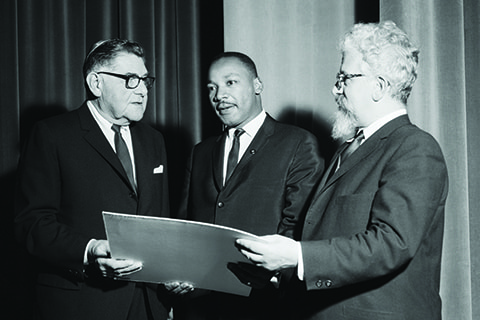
353 145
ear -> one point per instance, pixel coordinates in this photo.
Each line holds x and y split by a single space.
94 84
381 88
258 85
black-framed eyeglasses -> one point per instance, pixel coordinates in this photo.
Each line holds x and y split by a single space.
132 81
342 77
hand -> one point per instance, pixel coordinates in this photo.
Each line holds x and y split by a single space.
273 252
99 252
178 288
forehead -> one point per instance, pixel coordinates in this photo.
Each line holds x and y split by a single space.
129 63
352 62
228 66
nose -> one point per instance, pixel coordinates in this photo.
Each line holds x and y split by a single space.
337 89
142 89
218 94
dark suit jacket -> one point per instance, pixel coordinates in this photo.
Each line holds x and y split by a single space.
68 175
372 238
267 193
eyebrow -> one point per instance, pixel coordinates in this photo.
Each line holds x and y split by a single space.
232 74
138 75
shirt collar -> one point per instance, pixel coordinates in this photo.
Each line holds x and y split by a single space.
253 126
371 129
104 124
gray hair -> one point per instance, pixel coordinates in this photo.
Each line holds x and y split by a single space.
103 52
388 52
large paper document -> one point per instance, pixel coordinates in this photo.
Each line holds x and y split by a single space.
178 250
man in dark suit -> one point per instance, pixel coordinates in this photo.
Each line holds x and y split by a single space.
75 166
372 238
267 191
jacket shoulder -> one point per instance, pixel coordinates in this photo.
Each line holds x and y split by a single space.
412 134
208 142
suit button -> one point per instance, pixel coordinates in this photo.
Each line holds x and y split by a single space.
319 283
220 204
132 195
328 283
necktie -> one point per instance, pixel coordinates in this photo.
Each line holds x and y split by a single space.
353 145
123 154
233 155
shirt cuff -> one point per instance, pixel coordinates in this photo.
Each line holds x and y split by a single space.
85 255
300 267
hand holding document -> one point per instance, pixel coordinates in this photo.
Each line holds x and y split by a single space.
178 250
98 253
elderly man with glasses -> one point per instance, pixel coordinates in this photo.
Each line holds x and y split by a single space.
96 158
372 238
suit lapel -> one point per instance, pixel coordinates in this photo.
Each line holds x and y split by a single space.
95 137
217 163
362 152
140 151
331 168
259 141
369 146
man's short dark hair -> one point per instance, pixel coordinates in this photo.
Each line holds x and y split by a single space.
243 58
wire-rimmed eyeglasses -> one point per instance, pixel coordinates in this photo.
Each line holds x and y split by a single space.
342 77
132 81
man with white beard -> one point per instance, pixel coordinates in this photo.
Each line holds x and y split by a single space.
372 238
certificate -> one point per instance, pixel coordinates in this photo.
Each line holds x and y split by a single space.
178 250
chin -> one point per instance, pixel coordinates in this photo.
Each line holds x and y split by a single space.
228 120
136 114
344 126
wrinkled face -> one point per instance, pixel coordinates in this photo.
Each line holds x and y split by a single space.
233 92
117 103
352 96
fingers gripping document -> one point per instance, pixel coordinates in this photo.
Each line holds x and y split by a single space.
178 250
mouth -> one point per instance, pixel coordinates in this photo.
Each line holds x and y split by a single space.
224 106
342 106
339 100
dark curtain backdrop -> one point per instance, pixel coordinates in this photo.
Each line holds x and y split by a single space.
44 43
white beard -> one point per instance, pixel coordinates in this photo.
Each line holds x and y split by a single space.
345 124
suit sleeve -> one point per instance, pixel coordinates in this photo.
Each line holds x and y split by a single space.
38 204
302 177
402 211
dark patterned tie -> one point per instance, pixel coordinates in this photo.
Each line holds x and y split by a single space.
123 154
353 145
233 155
